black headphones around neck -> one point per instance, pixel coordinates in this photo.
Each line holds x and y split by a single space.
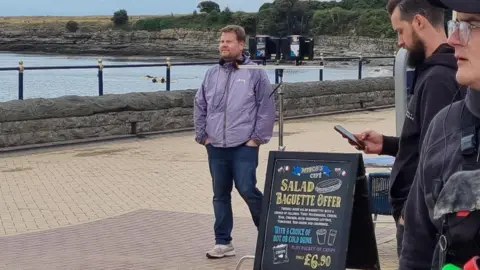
236 63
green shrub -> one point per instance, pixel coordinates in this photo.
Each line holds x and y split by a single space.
120 17
72 26
280 18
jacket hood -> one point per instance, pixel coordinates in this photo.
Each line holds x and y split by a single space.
444 55
246 60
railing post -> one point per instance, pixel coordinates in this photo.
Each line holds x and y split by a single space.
169 65
20 80
322 65
100 77
360 65
276 72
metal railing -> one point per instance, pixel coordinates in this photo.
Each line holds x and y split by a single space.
168 64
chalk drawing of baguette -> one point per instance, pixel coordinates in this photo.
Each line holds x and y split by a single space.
328 185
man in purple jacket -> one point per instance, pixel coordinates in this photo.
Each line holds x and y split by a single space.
234 113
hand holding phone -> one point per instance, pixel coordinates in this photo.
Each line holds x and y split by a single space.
351 138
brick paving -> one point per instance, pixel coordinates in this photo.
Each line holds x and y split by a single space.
142 203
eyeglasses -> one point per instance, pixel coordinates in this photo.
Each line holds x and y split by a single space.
464 30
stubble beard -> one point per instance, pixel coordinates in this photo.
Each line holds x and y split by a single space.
416 55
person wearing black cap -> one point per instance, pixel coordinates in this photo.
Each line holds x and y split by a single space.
451 145
420 28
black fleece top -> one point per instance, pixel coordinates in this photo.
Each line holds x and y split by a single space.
435 87
440 158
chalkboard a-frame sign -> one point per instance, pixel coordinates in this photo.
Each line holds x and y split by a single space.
315 214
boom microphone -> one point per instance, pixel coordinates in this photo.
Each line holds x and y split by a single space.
460 193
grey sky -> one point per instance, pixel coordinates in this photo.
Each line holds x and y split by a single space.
107 7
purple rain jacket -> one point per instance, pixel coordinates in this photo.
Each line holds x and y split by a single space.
233 106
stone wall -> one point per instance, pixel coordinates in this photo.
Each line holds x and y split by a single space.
36 121
184 43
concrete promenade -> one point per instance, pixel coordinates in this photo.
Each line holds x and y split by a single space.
144 203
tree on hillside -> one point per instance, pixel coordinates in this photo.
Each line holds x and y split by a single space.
212 17
120 17
226 16
72 26
281 18
266 22
285 17
208 6
265 6
367 4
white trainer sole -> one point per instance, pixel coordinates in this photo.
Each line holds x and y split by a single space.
226 254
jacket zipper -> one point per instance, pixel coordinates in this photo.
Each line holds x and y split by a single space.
227 86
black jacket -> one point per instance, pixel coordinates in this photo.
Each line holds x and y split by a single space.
440 158
435 87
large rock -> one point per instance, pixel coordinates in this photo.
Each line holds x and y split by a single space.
184 43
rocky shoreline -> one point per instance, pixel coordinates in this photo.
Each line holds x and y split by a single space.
173 43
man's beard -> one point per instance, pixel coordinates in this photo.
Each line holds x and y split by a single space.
228 58
416 55
231 58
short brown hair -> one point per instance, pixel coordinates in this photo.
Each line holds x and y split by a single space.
237 29
410 8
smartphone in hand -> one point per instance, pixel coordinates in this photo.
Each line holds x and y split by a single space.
349 136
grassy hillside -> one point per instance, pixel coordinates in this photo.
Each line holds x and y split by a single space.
282 17
86 23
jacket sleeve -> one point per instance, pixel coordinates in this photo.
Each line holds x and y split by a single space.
200 113
265 118
390 146
419 237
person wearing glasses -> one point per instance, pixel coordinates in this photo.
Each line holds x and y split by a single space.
421 31
451 145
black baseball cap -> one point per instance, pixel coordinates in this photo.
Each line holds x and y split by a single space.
464 6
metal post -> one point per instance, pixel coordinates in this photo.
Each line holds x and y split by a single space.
280 69
400 88
169 64
20 80
280 112
100 77
276 72
243 259
321 64
394 54
360 64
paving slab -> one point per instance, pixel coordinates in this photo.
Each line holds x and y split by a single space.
142 239
144 203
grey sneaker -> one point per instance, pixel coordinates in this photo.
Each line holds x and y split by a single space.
220 251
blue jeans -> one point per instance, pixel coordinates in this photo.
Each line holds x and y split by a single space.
227 166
